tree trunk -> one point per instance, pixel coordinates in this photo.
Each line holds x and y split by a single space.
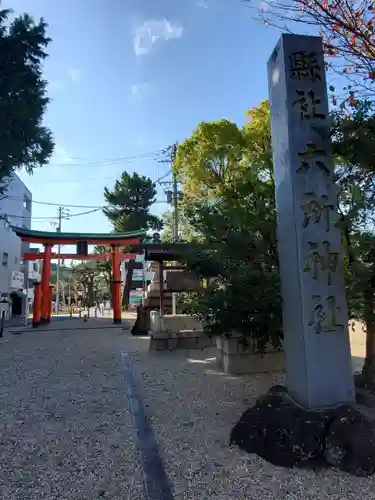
128 284
368 370
90 293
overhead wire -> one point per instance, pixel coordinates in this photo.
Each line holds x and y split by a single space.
152 155
93 208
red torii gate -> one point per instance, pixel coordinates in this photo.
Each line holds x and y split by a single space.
42 295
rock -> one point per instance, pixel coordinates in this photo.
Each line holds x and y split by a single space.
284 434
350 442
281 432
364 397
142 323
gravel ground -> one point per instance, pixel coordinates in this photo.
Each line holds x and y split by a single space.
66 432
193 408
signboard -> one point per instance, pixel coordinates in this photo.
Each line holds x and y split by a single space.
17 279
135 296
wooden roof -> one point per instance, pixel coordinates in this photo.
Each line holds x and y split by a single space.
159 252
126 238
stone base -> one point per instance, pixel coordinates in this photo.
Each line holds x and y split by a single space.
232 356
172 323
192 339
284 434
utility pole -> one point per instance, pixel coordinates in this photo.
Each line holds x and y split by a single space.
60 213
175 194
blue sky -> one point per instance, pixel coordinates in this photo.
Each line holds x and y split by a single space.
130 77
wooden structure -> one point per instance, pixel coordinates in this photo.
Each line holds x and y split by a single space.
117 241
165 252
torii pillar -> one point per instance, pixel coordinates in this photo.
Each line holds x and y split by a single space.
116 284
45 290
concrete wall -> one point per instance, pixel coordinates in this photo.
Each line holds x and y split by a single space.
35 274
172 324
15 210
233 356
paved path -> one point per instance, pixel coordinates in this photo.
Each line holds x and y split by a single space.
66 428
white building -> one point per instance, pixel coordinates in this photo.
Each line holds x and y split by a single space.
15 210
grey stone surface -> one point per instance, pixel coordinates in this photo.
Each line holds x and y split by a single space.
312 279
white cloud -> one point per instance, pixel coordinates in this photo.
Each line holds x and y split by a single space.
153 31
202 4
139 90
60 155
264 6
75 74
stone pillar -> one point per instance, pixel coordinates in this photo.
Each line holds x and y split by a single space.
315 317
154 285
161 287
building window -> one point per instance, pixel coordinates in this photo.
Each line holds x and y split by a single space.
16 260
27 203
5 259
35 267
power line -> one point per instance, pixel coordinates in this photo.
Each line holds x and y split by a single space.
97 207
67 205
106 162
50 218
163 177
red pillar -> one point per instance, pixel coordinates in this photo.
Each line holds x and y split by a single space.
46 275
37 304
116 284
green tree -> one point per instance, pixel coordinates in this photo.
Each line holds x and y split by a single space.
207 161
129 203
24 141
185 229
89 275
128 209
236 216
104 266
244 291
353 138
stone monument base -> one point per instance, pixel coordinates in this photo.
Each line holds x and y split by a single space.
285 434
176 331
184 339
235 356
